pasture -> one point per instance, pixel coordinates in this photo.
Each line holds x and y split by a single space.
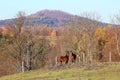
107 72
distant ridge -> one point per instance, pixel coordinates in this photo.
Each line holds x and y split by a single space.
52 18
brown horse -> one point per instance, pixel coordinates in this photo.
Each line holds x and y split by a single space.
72 57
63 59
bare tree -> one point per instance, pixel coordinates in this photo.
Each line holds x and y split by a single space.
90 30
26 46
91 15
116 20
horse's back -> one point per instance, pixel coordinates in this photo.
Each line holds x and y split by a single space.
62 59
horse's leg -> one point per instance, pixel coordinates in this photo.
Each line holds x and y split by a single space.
73 61
59 63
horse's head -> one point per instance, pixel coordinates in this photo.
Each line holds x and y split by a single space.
67 53
71 53
72 56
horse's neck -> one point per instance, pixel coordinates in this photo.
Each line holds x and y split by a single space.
71 54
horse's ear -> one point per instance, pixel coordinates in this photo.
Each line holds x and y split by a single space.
67 52
71 51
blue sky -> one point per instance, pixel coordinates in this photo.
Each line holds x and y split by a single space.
106 8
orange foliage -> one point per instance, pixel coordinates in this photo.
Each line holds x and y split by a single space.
53 34
110 45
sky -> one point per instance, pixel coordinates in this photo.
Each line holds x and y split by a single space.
105 8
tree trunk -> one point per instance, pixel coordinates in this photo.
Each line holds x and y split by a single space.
23 69
110 57
90 54
56 60
29 62
117 43
83 57
29 57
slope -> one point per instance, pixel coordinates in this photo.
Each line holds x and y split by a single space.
110 72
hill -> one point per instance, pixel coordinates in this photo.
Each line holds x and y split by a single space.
110 72
60 15
52 18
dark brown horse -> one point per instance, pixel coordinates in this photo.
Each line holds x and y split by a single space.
63 59
72 57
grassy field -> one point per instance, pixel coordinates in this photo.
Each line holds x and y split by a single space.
110 72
